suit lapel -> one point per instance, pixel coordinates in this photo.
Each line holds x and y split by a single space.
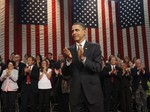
86 49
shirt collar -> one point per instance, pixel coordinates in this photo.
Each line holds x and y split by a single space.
82 43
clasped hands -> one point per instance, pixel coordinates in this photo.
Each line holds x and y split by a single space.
69 55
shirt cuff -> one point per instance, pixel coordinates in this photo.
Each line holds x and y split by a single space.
68 63
83 61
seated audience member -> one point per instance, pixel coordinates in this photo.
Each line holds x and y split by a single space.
29 89
45 87
125 89
9 87
139 85
112 74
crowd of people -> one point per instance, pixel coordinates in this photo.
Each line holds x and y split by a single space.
93 83
124 84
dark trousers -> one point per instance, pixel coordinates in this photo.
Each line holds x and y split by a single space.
63 102
111 99
44 100
28 98
8 99
84 106
126 99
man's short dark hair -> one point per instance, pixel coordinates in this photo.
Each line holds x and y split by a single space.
33 59
50 53
80 24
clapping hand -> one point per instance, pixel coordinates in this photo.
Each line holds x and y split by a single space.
67 54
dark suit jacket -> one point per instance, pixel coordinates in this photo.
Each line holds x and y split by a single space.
85 75
20 68
139 78
108 78
34 80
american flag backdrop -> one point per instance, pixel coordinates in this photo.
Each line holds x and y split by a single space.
56 34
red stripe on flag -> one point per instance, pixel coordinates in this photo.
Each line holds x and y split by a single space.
111 28
54 29
119 34
16 43
37 39
6 30
46 40
71 41
28 32
20 40
62 25
146 60
97 35
104 29
136 42
89 35
128 43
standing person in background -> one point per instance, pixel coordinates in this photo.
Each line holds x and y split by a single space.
44 86
38 60
126 89
11 58
50 57
20 67
83 64
139 85
9 87
62 85
112 74
2 67
29 89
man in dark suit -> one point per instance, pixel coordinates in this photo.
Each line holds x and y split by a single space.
139 85
29 89
83 62
20 67
112 74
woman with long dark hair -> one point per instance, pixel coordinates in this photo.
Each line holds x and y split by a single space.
45 87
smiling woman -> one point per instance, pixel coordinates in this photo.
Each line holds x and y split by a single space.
9 87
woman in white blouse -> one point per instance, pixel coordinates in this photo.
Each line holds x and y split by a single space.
9 87
45 87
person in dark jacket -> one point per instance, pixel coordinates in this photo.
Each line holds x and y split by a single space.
125 89
139 85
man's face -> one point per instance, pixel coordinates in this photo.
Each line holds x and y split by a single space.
138 63
113 61
17 58
30 61
78 33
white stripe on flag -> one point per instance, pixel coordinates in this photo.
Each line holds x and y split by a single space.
66 19
58 25
100 25
140 40
132 42
11 26
114 27
41 28
107 28
125 42
50 40
2 28
93 35
33 41
24 40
